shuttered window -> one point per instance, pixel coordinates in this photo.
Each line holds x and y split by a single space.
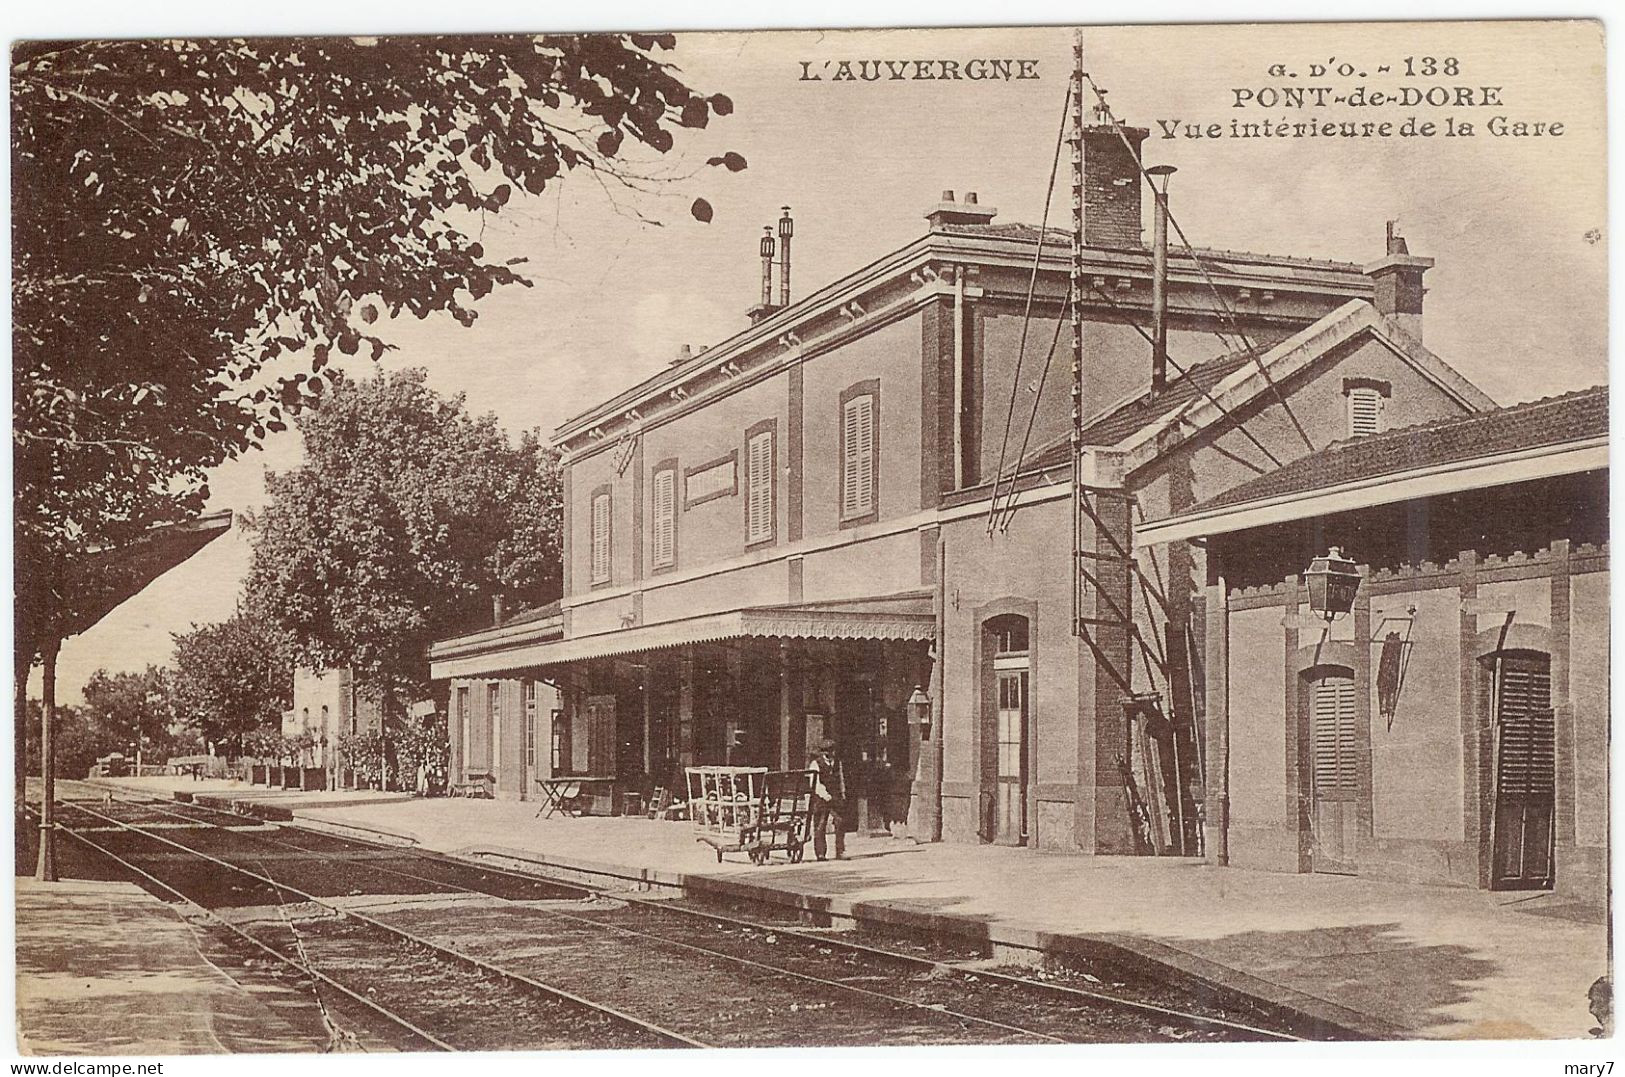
664 496
1365 412
858 457
759 487
600 538
1524 710
1332 714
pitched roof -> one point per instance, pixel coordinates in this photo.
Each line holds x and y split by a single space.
1553 420
1118 423
1062 238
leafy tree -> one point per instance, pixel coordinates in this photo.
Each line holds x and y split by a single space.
127 709
193 221
78 743
406 518
232 677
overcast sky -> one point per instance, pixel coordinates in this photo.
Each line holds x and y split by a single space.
1517 302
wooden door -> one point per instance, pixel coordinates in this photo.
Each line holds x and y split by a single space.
1010 789
1335 774
1525 775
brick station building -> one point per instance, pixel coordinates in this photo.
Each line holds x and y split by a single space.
780 537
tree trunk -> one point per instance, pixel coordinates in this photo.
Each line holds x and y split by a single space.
22 665
45 870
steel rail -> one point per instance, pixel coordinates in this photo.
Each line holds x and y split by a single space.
602 927
468 959
299 966
1096 998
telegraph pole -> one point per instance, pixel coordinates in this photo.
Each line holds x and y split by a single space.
1075 306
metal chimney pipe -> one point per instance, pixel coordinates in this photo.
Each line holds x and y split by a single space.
787 228
1159 278
767 266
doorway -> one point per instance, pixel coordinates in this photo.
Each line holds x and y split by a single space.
1012 727
1334 771
1525 772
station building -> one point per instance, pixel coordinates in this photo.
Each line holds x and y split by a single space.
866 497
1454 727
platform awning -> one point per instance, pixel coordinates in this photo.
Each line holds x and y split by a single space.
909 619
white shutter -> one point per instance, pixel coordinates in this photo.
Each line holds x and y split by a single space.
1365 412
858 465
759 488
665 518
600 538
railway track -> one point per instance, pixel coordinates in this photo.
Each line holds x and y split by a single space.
725 980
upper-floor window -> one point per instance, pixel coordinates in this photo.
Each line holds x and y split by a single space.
858 438
663 501
600 536
1366 406
759 467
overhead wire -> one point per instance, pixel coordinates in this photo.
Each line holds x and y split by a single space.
1224 305
1027 313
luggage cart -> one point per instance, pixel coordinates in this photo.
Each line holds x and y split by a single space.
785 820
724 802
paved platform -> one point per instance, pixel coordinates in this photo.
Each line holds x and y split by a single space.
1385 959
104 968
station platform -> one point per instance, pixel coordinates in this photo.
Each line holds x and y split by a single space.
1380 959
104 968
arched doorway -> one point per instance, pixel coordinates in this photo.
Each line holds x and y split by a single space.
1007 644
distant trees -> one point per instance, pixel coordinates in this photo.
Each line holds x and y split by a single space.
408 515
130 710
232 677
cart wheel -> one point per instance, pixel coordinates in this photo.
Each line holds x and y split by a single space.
794 853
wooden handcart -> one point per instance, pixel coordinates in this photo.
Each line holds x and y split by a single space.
785 820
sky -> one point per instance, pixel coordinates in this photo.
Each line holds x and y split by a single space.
1517 301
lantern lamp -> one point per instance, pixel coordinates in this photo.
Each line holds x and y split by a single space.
919 711
1333 582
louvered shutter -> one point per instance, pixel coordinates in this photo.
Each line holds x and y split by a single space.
1333 718
1365 412
1528 759
665 518
600 538
858 466
759 488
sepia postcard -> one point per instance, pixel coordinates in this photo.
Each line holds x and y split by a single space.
1018 536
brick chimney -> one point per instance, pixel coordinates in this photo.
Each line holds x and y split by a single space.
1111 182
1398 280
950 212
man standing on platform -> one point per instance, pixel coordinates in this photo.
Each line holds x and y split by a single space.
829 799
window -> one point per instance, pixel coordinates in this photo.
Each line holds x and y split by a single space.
600 536
493 725
530 725
559 749
663 495
858 452
1367 406
759 466
462 725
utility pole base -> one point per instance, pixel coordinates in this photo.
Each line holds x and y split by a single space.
45 870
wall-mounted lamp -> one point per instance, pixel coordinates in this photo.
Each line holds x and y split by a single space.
919 711
1333 582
